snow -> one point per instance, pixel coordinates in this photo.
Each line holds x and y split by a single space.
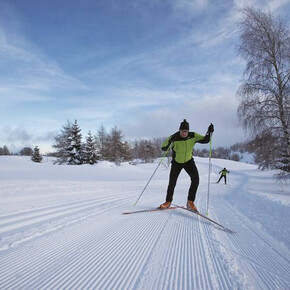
61 227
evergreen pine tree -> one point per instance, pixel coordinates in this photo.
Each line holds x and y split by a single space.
62 143
36 157
75 145
89 153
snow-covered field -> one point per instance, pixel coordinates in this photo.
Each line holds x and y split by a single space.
61 227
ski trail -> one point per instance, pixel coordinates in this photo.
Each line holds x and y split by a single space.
190 259
100 262
28 225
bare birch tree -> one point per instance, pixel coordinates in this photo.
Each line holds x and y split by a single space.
264 94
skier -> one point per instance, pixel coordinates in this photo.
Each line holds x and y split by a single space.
183 142
223 174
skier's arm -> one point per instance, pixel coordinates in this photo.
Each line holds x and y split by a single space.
168 142
205 139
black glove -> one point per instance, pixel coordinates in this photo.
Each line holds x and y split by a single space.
210 128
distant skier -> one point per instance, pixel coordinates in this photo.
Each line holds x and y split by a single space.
183 142
223 174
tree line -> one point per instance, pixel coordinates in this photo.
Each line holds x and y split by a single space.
111 146
71 148
234 152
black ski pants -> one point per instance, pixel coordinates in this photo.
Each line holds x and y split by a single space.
191 170
224 178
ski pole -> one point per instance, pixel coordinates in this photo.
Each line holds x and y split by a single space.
153 173
209 169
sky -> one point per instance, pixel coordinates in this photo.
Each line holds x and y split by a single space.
140 65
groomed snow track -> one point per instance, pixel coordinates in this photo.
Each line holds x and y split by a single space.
88 244
90 247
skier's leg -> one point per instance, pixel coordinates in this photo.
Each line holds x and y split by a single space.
192 171
174 173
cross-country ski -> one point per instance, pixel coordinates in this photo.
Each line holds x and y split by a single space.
149 210
158 209
205 217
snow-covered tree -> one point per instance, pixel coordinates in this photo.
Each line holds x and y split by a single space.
62 143
89 151
74 148
36 156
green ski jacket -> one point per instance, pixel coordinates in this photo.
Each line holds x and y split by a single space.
183 147
224 172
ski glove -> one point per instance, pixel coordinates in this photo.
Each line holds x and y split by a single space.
210 128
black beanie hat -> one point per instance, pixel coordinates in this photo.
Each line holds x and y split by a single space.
184 125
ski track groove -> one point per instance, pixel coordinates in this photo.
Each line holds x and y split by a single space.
170 255
54 220
20 215
216 270
65 277
41 261
207 248
34 214
108 259
188 257
84 262
135 266
52 254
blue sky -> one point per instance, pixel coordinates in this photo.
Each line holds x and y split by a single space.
143 65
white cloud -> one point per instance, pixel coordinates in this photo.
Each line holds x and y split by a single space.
16 138
219 109
26 74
